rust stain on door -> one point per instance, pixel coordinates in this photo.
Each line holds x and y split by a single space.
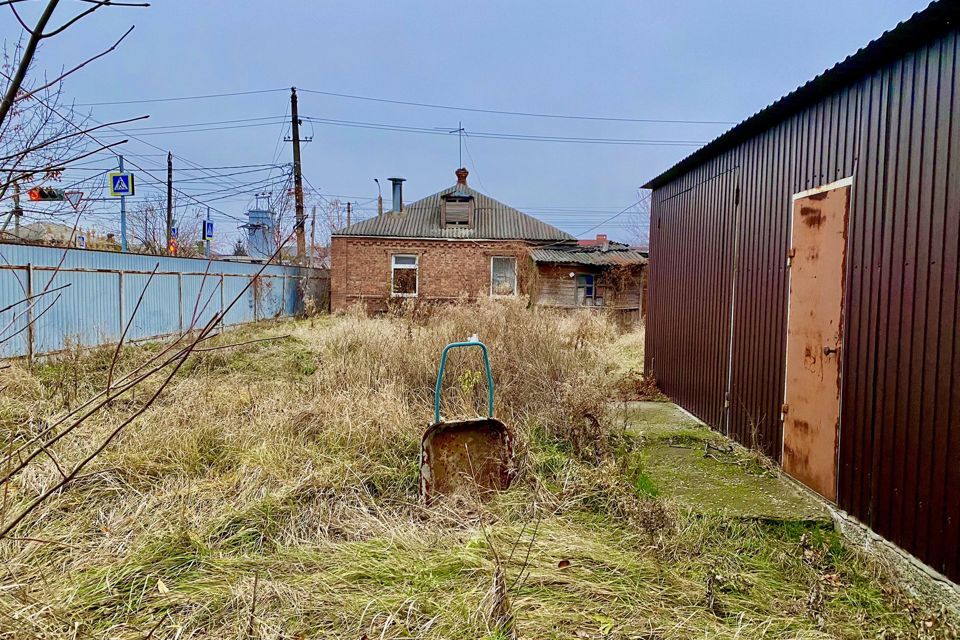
811 422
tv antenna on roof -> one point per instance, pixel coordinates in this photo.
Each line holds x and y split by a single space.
459 131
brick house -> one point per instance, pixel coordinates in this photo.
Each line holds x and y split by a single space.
460 243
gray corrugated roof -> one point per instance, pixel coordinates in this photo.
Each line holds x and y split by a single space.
421 219
924 26
622 257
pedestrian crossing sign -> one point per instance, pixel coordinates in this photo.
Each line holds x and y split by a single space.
121 184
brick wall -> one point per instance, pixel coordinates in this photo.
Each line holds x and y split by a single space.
360 268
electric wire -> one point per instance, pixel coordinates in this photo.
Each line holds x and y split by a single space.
493 135
410 103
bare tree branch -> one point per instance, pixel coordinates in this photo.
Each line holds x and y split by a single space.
47 143
36 295
98 4
113 434
119 4
26 59
32 172
78 67
241 344
180 357
19 19
32 320
123 336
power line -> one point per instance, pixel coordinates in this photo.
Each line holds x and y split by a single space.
472 161
408 103
528 114
172 130
501 135
187 195
249 123
149 144
178 98
604 222
202 124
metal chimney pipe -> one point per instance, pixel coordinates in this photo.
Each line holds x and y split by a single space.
397 194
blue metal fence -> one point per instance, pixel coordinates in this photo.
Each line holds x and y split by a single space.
73 297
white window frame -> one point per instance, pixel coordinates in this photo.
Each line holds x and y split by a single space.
503 295
416 269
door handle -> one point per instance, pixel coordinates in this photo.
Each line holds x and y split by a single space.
830 350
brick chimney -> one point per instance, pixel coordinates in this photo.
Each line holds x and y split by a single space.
462 176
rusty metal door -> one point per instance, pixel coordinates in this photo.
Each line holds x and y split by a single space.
811 411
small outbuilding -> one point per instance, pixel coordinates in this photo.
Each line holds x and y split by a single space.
602 276
803 291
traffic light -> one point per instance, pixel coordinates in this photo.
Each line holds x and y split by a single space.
46 194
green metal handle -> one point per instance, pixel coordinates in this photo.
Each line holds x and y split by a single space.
443 365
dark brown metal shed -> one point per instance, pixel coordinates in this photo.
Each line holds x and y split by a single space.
886 121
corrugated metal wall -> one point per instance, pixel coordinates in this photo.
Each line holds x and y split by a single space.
100 290
719 237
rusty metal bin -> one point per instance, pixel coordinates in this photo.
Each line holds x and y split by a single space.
468 457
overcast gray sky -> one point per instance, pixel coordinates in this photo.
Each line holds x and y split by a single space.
705 61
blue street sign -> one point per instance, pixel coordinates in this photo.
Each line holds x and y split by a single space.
174 232
208 230
121 184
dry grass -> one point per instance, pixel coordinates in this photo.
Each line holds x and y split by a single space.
271 493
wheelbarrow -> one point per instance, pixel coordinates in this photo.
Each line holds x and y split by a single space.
466 457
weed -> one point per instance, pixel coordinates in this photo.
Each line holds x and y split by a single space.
272 492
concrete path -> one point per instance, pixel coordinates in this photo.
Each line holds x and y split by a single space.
700 469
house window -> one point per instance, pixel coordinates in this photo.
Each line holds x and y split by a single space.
503 276
404 275
589 291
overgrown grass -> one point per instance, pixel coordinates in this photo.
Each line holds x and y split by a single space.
272 493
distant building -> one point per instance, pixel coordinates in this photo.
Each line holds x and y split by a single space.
261 240
48 233
461 243
599 241
61 235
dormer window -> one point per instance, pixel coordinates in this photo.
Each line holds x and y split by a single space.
457 210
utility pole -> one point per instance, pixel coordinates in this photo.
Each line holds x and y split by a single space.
297 174
348 214
313 234
169 198
209 242
379 198
13 212
123 218
17 211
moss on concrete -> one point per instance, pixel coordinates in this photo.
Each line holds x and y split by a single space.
700 469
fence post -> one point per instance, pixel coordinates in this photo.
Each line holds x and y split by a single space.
223 321
255 290
30 304
180 302
120 309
